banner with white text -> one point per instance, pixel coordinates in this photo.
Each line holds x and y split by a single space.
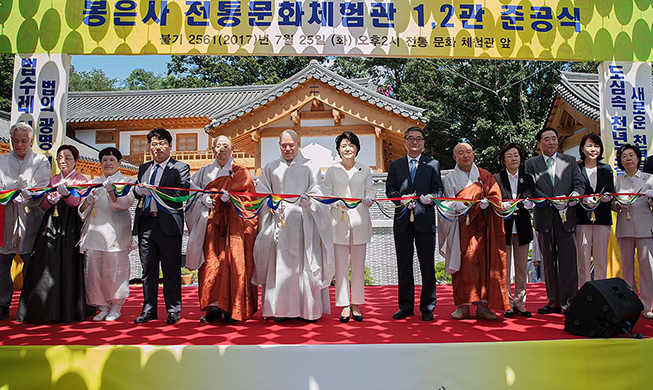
570 30
40 95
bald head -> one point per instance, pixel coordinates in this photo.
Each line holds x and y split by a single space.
463 154
289 144
222 149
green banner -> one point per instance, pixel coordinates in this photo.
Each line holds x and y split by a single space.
569 30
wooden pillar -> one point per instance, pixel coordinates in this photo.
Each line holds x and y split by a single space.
378 142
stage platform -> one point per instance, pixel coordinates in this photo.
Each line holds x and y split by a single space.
378 353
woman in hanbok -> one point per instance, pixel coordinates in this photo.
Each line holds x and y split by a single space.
107 239
53 284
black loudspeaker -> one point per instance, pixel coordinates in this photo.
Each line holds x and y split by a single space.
604 308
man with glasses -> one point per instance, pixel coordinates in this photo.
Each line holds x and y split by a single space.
415 175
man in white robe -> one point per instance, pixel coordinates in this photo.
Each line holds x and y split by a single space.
293 252
20 169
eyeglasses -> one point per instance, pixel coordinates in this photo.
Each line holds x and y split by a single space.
65 159
414 139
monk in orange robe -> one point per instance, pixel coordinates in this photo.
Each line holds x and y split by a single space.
226 260
474 248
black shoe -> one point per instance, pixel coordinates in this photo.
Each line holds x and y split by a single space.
145 317
310 321
281 319
211 315
401 314
228 319
4 312
357 317
427 316
509 313
549 310
523 313
173 318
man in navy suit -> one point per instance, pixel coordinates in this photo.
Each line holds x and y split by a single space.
415 175
160 227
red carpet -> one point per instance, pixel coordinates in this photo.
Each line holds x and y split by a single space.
377 328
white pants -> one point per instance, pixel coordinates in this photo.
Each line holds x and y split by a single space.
107 278
644 247
346 255
592 244
520 254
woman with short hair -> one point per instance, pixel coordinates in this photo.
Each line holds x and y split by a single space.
593 226
352 228
107 239
53 284
635 223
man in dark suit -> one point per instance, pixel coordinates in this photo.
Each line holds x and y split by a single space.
556 174
648 165
516 184
160 227
415 175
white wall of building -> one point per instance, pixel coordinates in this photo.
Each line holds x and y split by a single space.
88 137
320 149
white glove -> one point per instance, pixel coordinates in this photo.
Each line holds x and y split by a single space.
484 203
225 196
53 197
62 190
528 204
142 191
304 200
367 201
22 182
108 184
342 205
425 199
92 198
207 200
20 199
573 202
648 193
27 195
505 205
560 206
606 198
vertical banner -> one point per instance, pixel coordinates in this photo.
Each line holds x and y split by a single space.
40 95
626 96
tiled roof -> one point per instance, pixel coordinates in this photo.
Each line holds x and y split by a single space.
164 103
102 106
581 91
318 72
86 152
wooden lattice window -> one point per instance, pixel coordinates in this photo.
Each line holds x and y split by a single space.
186 142
138 144
105 137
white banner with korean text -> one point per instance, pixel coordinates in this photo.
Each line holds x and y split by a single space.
39 98
626 96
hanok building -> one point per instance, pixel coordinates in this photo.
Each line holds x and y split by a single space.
576 110
316 102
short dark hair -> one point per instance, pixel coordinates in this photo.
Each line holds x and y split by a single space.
72 149
110 151
625 147
538 136
594 138
414 128
348 135
159 133
505 149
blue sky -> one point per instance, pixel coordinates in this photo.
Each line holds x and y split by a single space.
121 66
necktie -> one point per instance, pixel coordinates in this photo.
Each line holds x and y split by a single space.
413 169
148 198
549 164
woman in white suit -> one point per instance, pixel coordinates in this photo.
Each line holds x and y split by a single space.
635 224
352 228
